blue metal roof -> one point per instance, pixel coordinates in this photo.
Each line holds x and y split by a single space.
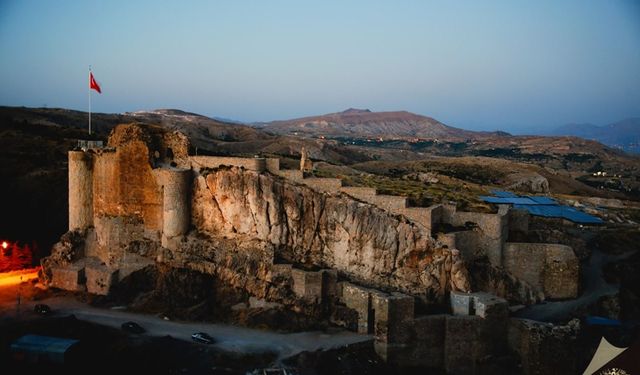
508 200
542 200
42 344
541 206
564 212
602 321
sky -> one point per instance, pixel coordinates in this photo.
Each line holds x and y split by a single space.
481 65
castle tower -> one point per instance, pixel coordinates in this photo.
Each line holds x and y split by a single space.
305 162
80 190
176 184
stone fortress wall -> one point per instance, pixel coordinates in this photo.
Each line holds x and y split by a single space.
252 164
115 194
548 268
487 238
469 340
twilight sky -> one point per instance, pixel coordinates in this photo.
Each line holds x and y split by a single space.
510 65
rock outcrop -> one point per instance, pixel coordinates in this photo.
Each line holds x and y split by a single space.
311 229
528 182
150 201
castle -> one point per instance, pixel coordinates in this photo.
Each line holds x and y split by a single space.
284 236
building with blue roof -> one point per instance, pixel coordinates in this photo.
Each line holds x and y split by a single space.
541 206
36 348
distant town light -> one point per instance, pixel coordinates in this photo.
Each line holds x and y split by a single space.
5 244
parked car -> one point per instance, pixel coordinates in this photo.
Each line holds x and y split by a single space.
164 316
133 327
202 337
42 309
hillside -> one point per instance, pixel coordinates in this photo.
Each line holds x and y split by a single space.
624 134
34 144
363 123
200 129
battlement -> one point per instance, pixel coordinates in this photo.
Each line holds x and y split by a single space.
327 185
365 194
105 186
85 145
426 216
381 314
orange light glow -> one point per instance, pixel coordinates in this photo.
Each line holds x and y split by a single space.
17 277
5 244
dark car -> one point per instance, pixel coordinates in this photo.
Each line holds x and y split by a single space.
202 337
42 309
133 327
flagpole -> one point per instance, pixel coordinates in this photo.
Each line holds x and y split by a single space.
89 100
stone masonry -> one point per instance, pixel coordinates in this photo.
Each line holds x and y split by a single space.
134 192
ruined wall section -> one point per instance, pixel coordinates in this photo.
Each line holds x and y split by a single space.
139 194
426 216
327 185
127 201
253 164
365 194
106 183
549 268
486 239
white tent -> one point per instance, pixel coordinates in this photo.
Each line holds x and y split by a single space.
604 354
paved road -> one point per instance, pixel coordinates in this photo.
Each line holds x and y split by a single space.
228 337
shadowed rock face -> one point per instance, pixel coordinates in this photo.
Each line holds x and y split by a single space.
318 230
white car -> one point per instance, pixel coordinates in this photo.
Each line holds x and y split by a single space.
202 337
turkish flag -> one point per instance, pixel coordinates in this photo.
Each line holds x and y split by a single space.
93 84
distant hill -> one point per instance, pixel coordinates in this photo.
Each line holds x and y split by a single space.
34 143
362 123
623 134
200 129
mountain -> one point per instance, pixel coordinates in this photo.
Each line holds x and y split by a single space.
34 143
623 134
363 123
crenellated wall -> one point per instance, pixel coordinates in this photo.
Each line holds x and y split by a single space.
365 194
327 185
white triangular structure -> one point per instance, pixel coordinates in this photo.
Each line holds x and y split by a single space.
604 354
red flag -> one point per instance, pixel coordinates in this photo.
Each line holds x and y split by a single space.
93 84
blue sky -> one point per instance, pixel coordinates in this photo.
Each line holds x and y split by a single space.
511 65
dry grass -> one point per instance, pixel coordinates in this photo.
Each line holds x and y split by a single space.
419 193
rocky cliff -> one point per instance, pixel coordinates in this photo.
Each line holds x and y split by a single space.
235 223
315 230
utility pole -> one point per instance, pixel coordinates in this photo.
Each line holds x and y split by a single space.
19 299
